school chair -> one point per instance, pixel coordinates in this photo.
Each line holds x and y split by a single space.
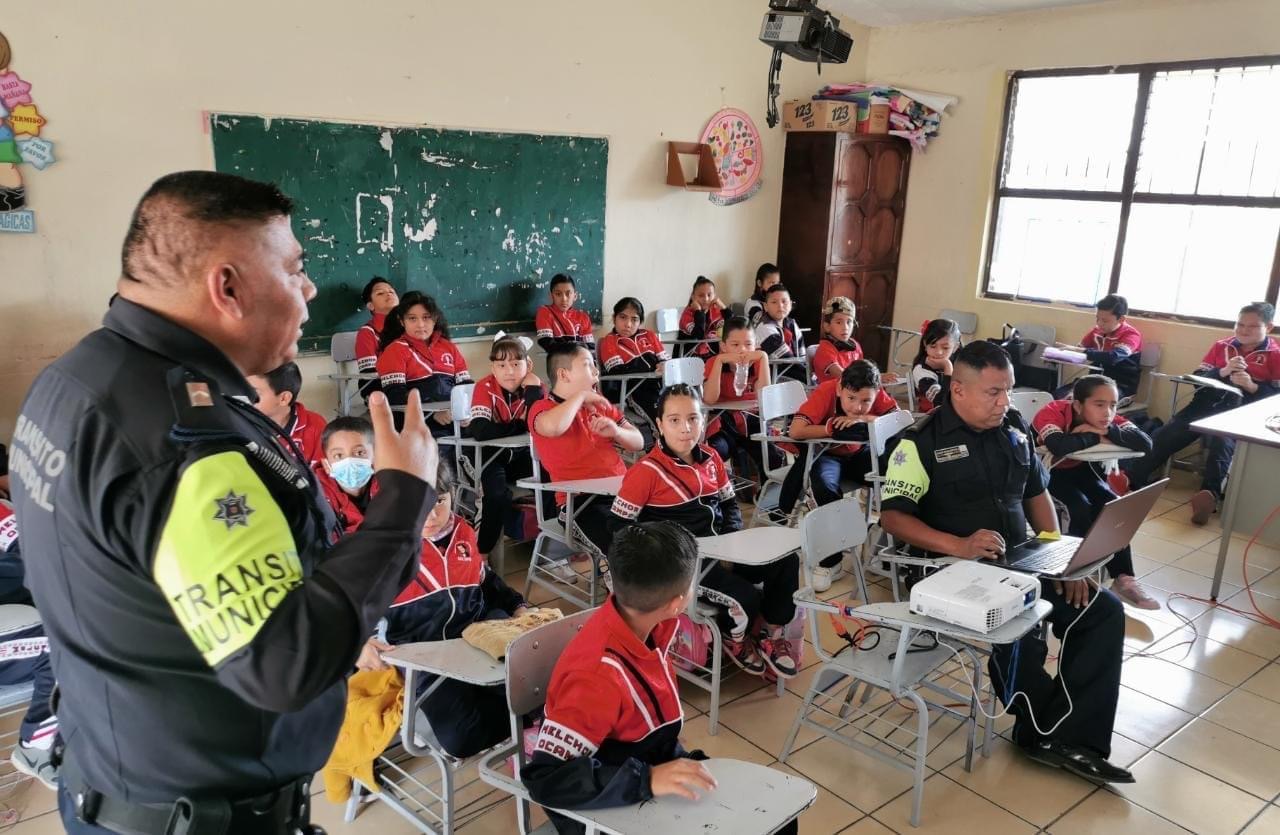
687 370
900 338
1036 338
1028 403
666 321
779 400
14 698
1148 362
749 799
465 470
899 668
342 350
879 433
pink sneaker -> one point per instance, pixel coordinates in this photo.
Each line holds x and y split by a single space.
744 654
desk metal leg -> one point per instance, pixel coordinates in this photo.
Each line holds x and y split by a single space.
1229 505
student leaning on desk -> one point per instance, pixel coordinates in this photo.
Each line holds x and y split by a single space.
964 483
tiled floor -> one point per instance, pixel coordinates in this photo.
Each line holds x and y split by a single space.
1199 724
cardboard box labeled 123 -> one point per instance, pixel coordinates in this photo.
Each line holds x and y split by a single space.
819 115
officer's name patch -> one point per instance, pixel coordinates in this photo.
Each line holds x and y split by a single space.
951 453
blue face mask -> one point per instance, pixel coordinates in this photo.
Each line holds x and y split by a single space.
352 474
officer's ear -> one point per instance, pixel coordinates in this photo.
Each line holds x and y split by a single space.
226 290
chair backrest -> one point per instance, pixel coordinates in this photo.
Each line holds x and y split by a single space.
540 497
967 321
880 430
781 399
1030 402
832 529
666 320
532 657
737 309
683 370
342 347
460 402
1150 356
1042 336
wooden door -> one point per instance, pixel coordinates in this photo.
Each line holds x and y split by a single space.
869 201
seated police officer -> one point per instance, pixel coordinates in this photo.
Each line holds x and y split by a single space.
964 483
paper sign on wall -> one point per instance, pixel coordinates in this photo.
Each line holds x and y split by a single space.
21 143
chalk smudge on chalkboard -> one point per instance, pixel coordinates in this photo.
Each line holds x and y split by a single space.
385 238
385 140
324 239
426 233
446 161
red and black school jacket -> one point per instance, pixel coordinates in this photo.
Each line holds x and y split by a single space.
780 339
931 386
660 486
737 383
498 413
306 429
452 589
1118 354
348 510
702 324
433 368
834 352
556 326
367 339
1053 425
823 406
1263 362
612 712
631 354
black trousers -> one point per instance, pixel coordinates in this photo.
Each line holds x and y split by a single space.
466 718
732 589
1084 493
1089 669
734 434
1175 436
825 475
592 519
500 472
39 671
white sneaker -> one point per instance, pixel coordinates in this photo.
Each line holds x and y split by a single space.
37 763
563 571
822 577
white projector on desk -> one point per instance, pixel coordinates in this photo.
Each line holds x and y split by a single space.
975 595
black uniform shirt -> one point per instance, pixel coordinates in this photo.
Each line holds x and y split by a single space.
201 623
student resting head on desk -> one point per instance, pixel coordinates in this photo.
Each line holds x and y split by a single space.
931 369
1250 361
965 482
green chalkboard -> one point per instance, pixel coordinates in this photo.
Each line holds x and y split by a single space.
481 221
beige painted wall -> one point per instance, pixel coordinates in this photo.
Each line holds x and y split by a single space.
951 184
124 84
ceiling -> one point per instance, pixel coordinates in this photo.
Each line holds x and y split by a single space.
896 12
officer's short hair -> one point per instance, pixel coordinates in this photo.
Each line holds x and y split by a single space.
164 233
983 354
287 377
561 355
346 423
650 563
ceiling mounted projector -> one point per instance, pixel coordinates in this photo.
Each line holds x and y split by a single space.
800 29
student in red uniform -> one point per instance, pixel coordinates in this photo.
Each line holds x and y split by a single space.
1250 361
346 476
278 400
632 349
417 354
499 409
835 409
931 369
838 348
380 298
611 732
560 322
1086 420
576 433
1113 345
453 588
736 375
702 318
778 334
685 481
767 275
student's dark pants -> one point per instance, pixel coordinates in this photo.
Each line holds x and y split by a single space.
500 471
825 475
733 590
37 670
1177 435
466 718
1089 666
736 429
792 371
1084 493
592 520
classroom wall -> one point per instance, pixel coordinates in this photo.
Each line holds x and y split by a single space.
951 185
124 86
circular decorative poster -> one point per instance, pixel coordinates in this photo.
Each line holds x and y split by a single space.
735 145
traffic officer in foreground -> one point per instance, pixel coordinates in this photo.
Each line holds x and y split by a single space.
964 483
202 612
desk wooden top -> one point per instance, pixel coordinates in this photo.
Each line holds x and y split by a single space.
1245 423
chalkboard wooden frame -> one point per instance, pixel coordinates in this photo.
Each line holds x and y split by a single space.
480 220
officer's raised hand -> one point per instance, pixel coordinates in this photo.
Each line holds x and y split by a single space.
412 450
982 545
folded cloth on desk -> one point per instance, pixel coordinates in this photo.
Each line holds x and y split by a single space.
372 720
1062 355
494 636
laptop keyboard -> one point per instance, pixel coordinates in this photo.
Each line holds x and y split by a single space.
1050 558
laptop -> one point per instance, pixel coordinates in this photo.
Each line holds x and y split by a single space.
1112 530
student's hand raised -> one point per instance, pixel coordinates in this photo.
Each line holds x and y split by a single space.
683 778
412 449
604 427
531 379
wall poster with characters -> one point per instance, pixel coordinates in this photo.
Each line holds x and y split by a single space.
20 143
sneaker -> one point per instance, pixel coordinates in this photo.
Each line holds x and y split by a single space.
562 571
37 763
822 577
1202 506
779 655
1126 588
743 653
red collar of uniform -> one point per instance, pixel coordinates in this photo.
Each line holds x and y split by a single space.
620 633
378 321
441 540
700 454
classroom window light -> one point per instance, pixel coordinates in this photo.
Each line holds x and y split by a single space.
1157 181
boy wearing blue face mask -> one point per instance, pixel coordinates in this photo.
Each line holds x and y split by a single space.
347 478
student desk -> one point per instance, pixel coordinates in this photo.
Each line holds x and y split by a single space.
775 363
589 487
345 388
1062 364
1251 493
628 381
1105 452
494 446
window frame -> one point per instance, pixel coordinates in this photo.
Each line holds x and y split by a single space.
1126 197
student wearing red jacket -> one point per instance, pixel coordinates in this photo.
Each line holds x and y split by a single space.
632 349
380 298
278 399
452 589
1086 420
346 476
703 318
735 375
838 348
1113 344
931 369
560 322
417 354
1250 361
